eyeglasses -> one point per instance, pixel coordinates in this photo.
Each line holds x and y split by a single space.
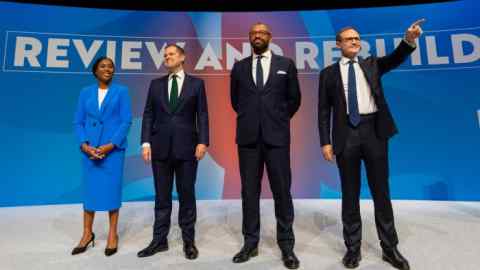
261 33
351 39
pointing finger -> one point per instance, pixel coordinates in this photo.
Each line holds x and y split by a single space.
418 22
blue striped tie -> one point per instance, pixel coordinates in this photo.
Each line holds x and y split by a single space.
354 114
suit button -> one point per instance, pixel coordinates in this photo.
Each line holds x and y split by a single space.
94 124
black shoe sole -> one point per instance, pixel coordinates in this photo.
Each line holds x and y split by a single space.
191 257
353 266
292 266
251 255
153 253
388 260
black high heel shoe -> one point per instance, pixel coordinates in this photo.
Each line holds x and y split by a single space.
78 250
111 251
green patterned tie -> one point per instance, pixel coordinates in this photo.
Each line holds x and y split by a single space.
173 100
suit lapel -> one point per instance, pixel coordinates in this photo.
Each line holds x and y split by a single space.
366 72
185 88
112 90
271 73
249 62
184 92
92 102
164 94
339 84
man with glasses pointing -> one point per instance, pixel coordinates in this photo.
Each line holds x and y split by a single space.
351 99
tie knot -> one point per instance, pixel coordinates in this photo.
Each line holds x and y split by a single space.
259 57
174 76
351 61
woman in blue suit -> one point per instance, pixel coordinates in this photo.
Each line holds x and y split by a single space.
101 123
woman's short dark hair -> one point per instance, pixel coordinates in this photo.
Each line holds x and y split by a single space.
97 62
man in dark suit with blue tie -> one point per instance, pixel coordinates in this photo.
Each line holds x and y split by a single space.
174 138
362 124
265 94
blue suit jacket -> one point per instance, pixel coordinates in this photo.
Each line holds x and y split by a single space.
181 130
269 110
110 123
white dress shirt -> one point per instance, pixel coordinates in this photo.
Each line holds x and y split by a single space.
180 79
266 60
102 93
366 102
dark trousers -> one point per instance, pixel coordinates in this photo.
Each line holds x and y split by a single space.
185 172
253 158
363 145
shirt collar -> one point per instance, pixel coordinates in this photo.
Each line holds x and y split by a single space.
267 55
344 60
180 75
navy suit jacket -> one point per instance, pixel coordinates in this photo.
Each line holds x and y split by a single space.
269 109
180 130
331 98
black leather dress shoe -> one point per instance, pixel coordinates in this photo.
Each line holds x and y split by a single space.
153 248
245 254
190 250
290 260
393 257
352 259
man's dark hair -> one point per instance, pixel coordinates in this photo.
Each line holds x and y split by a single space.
338 36
179 49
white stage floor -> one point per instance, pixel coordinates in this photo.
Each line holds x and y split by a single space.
433 236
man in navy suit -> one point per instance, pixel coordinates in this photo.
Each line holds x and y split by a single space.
174 138
265 94
351 99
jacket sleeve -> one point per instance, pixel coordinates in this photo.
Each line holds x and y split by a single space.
324 110
125 117
234 87
148 117
202 115
294 94
396 58
80 119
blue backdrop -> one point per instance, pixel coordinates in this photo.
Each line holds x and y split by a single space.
46 53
